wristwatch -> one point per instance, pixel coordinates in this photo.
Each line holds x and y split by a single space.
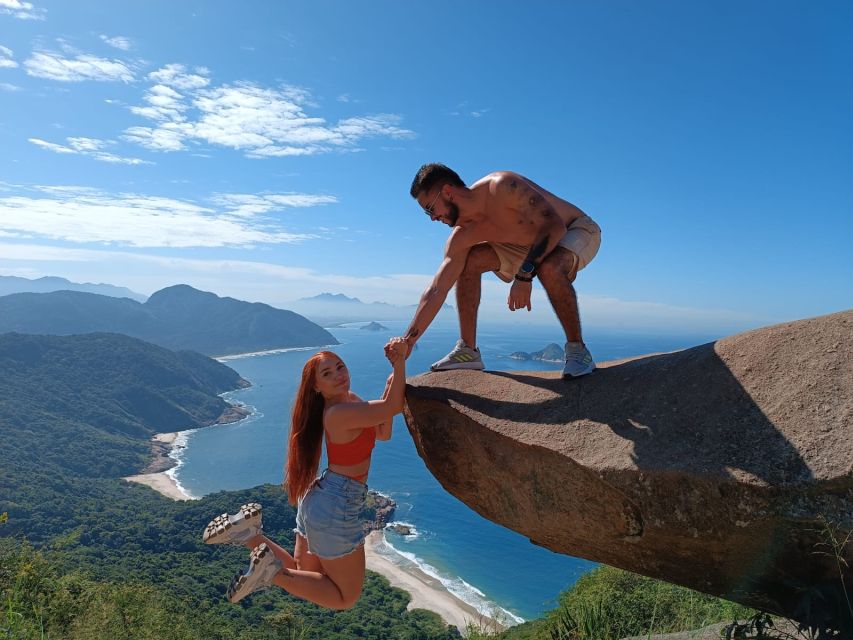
526 272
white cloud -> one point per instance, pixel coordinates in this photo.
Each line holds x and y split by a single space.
258 121
119 42
21 10
5 86
91 147
85 215
53 66
6 61
177 76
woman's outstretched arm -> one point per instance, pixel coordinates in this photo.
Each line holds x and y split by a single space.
358 415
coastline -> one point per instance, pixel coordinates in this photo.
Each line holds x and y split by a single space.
426 592
163 481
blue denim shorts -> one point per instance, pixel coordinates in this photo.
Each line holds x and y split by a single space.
329 516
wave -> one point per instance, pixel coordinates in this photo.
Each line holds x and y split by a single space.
413 531
269 352
176 453
468 593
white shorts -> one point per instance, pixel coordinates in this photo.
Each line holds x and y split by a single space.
583 238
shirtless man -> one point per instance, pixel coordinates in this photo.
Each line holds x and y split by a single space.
504 223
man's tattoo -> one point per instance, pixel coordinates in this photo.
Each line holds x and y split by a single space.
537 250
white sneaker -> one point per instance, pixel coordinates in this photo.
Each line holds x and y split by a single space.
237 529
263 567
578 360
462 357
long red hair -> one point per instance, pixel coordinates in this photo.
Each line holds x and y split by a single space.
306 432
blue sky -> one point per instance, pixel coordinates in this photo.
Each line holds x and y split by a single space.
264 150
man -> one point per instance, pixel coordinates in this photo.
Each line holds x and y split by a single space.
504 223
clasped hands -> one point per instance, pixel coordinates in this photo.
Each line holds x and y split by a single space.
396 349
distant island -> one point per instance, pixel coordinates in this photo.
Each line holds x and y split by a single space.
330 309
177 317
552 353
374 326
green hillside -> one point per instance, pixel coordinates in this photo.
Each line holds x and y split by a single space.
112 559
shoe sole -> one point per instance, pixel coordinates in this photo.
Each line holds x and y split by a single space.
219 530
569 376
239 581
476 366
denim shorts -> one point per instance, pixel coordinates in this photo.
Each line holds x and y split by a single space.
329 516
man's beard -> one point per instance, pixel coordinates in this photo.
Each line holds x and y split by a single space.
452 213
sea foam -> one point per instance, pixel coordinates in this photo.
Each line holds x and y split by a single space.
468 593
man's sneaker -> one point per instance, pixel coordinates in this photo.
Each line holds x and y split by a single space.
263 566
236 529
462 357
578 360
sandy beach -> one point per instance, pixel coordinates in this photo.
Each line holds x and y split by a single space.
161 481
427 592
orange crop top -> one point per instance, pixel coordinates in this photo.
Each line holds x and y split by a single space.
353 452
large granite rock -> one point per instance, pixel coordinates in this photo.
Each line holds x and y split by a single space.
718 467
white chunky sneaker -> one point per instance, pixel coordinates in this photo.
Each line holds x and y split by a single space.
462 357
263 566
237 529
578 360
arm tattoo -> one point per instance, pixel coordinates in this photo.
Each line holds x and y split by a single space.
537 250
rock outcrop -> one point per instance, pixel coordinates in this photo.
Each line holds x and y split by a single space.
724 468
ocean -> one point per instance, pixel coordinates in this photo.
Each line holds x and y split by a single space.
492 568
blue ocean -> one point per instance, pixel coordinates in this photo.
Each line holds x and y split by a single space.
488 566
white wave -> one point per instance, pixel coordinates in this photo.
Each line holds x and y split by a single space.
463 590
269 352
413 532
176 453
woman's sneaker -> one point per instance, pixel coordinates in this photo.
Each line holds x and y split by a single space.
263 567
578 360
237 529
462 357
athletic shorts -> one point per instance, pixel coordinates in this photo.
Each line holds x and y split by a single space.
583 238
329 516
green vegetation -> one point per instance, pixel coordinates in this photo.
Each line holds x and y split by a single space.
87 555
608 604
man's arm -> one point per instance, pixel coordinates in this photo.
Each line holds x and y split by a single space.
455 254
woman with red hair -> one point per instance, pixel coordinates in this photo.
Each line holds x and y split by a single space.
327 565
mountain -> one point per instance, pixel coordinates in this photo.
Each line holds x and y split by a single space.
108 391
14 284
177 317
336 308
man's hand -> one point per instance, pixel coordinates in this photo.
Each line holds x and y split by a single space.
519 295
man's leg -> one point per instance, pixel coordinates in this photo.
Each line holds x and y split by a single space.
556 273
464 355
481 258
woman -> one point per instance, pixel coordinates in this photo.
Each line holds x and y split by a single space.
327 565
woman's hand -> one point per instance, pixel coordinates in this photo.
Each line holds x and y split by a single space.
396 350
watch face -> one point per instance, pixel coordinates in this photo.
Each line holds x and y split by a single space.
528 267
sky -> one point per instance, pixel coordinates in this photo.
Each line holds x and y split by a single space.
264 150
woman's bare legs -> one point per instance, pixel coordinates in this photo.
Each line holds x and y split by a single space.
335 584
338 586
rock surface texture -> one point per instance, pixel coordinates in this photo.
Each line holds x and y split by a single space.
721 467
